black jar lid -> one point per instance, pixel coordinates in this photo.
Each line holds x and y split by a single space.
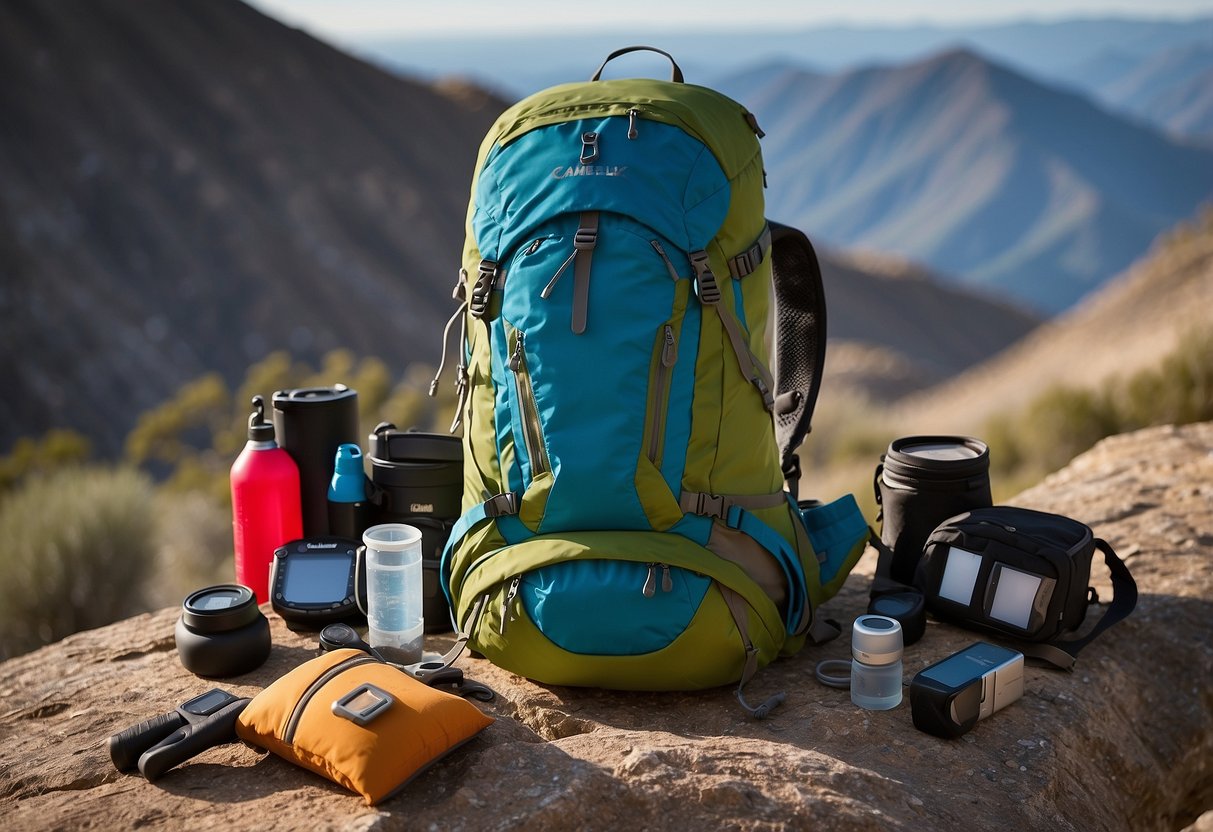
219 608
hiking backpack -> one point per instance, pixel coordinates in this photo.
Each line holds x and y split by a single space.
626 449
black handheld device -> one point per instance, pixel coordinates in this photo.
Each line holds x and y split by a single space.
316 581
162 742
949 697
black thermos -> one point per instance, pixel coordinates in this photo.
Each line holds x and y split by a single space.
310 423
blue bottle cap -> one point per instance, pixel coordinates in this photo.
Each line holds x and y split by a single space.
349 480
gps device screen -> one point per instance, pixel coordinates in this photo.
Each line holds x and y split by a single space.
313 581
318 579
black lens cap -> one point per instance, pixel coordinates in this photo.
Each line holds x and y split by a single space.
908 608
220 608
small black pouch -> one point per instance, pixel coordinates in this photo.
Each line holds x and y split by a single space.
1022 574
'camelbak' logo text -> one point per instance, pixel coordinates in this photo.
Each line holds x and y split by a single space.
560 172
321 545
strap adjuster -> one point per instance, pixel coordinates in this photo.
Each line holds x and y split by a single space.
705 282
486 275
501 505
460 292
585 239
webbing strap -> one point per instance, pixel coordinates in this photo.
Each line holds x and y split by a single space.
718 505
749 260
1063 653
583 244
739 610
799 611
709 295
498 506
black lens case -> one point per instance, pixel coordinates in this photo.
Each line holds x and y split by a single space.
221 632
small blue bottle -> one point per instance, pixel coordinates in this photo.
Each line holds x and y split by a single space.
348 508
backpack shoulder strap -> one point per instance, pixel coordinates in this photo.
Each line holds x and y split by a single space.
800 342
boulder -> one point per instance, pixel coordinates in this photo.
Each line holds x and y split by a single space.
1123 742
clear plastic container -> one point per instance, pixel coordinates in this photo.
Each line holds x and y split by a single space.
876 646
394 591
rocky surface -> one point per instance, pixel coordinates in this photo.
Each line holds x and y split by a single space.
1124 742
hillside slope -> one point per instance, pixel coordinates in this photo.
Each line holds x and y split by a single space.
1131 324
186 186
975 170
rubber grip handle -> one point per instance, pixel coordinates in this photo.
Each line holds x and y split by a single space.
191 740
127 746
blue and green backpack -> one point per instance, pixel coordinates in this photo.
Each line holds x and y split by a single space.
626 523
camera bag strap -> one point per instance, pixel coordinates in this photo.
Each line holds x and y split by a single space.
1059 653
1062 653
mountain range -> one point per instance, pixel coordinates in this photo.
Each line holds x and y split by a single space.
984 174
187 186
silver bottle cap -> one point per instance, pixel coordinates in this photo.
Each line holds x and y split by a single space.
876 640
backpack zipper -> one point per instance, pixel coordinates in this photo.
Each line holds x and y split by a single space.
660 249
528 414
633 114
661 384
650 580
510 595
292 723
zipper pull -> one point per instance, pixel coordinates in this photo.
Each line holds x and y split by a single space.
533 247
547 290
517 358
589 147
650 582
667 583
669 352
633 114
510 594
669 267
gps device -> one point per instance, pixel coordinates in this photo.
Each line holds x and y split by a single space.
316 581
951 696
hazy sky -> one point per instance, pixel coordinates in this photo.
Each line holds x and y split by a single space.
361 18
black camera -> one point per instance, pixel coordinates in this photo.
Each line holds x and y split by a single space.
162 742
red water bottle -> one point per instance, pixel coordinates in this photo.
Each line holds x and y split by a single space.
265 503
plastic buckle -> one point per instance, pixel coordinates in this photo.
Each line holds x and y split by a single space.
479 303
705 282
711 505
501 505
585 239
589 147
768 400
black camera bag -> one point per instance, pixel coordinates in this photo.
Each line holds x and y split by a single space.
1056 549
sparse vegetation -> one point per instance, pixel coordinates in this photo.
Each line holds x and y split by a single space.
91 545
79 547
1063 422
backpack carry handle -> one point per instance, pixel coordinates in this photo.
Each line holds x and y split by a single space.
675 73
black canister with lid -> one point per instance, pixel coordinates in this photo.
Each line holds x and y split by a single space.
417 479
922 481
311 423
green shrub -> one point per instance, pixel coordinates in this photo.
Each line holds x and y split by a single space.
80 544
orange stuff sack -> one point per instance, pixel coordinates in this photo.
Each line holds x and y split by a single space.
407 730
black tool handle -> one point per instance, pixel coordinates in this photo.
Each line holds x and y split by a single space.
191 740
127 746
